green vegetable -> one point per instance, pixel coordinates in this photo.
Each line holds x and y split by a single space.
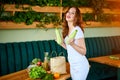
114 57
37 72
72 36
34 61
48 77
58 35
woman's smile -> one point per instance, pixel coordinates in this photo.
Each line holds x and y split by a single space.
68 17
70 14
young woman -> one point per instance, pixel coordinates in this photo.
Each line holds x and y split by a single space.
76 49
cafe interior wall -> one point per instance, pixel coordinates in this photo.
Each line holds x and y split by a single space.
22 35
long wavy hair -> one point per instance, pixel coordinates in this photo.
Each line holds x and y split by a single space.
77 22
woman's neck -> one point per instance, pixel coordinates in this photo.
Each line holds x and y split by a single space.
70 25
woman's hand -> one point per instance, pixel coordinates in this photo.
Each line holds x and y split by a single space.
59 42
71 41
62 43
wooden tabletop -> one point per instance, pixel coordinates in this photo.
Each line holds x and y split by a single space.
111 60
23 75
62 77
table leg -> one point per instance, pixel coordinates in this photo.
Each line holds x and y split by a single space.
118 74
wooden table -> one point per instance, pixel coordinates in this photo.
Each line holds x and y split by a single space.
111 60
62 77
23 75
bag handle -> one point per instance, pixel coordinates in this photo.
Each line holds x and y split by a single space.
53 52
61 54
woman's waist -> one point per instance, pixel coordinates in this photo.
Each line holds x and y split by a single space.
73 58
79 62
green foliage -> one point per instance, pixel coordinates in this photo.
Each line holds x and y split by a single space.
5 16
30 16
46 18
34 2
1 9
104 18
34 61
77 3
37 72
88 17
48 77
98 6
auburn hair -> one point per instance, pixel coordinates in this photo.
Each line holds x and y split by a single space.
77 22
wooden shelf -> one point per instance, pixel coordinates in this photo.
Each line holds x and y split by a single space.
100 24
12 25
114 0
11 7
113 11
82 9
60 10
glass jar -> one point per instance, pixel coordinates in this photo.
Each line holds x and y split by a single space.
46 61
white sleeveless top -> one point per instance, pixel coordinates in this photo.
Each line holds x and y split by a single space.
79 66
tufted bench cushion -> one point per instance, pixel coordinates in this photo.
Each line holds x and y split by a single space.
18 55
100 46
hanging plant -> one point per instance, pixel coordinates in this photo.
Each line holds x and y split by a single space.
29 16
33 2
49 18
104 18
77 3
88 17
98 6
1 10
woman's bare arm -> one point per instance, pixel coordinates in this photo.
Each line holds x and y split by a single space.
63 45
80 46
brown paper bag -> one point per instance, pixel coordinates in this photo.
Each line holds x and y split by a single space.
58 64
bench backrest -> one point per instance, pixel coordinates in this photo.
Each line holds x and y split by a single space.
100 46
18 55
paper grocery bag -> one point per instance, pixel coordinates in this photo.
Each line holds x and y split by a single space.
58 64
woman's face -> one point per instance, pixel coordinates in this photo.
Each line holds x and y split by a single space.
70 14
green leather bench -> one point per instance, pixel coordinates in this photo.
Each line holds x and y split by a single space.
18 55
100 46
